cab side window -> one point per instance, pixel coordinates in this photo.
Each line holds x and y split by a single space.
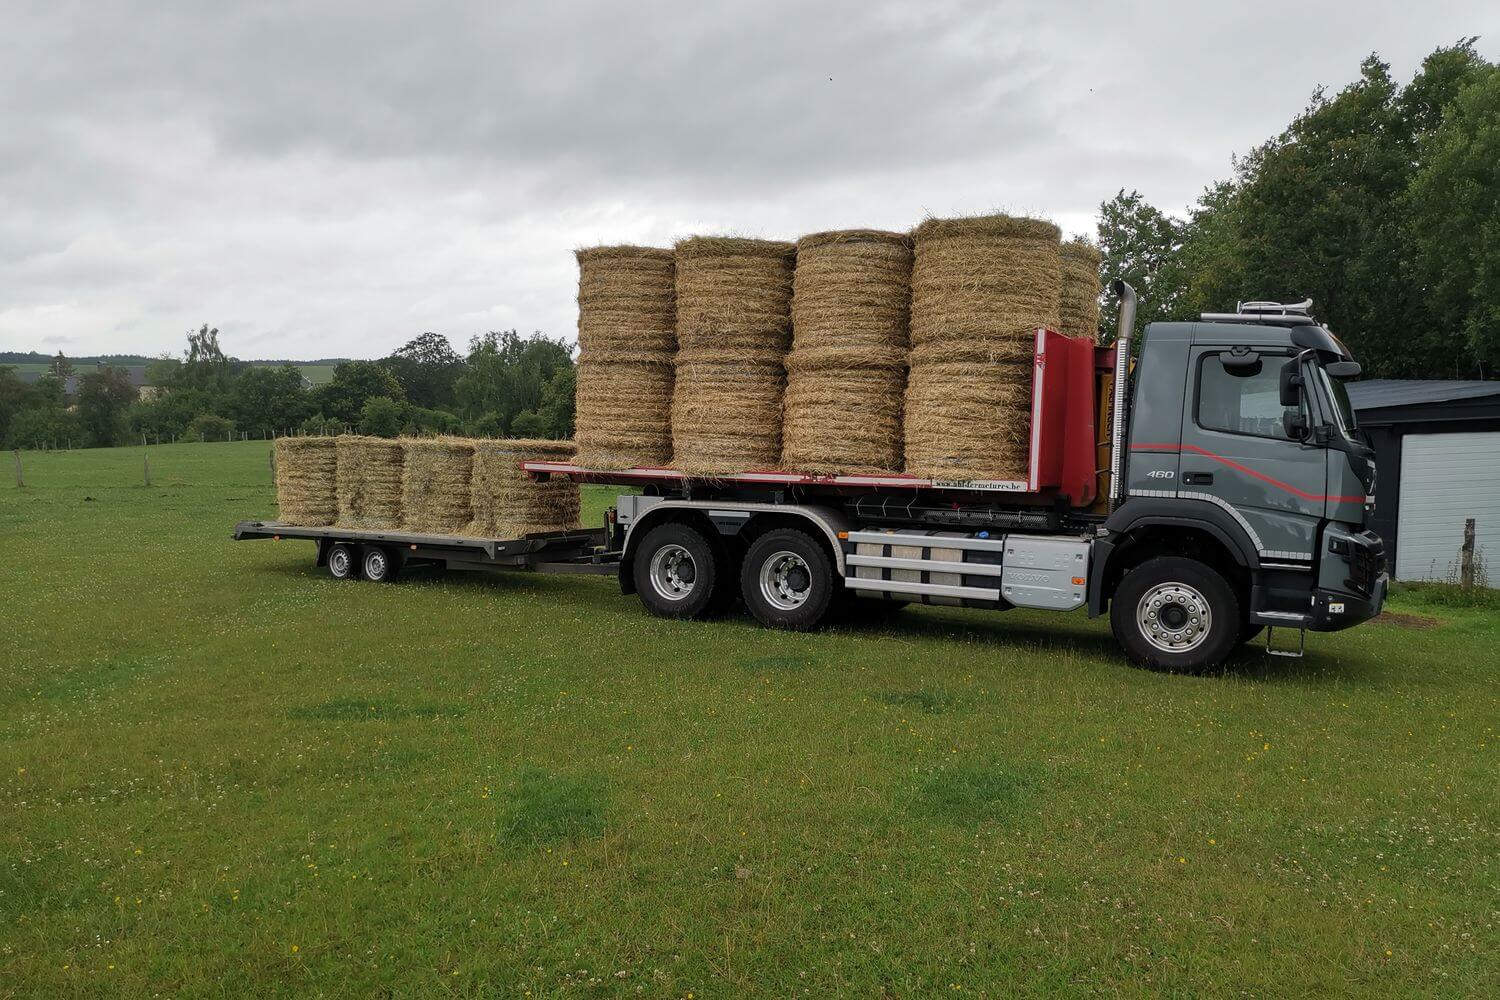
1241 403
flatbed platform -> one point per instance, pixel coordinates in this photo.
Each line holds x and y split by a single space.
575 550
1061 457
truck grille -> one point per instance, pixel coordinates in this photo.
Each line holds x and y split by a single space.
1366 563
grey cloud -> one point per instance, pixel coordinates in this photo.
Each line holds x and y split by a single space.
329 178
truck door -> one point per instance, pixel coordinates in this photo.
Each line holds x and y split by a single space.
1236 452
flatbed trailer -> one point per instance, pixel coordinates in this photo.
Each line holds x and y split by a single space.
1216 489
381 556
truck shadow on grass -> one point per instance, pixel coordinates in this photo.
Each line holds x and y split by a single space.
1091 639
1011 632
969 795
543 809
372 710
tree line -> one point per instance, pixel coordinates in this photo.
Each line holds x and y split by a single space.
1380 202
504 386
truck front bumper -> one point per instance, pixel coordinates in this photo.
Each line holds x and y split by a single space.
1333 610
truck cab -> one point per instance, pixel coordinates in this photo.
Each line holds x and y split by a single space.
1242 452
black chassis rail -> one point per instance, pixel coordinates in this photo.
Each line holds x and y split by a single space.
574 551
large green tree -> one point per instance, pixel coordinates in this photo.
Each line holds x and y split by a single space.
343 398
426 366
1376 202
507 374
15 396
104 398
264 398
204 364
1140 244
1455 217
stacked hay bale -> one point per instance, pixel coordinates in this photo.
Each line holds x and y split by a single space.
367 482
304 481
851 299
1078 311
627 339
507 503
733 329
980 288
435 484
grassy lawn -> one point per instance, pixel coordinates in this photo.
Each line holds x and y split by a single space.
222 772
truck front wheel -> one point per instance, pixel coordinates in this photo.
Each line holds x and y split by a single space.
1176 614
676 572
787 580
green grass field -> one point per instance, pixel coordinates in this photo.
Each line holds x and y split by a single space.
223 773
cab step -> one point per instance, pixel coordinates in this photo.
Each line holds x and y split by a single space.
1295 654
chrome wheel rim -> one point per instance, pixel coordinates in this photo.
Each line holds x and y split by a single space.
785 580
338 562
1174 617
673 572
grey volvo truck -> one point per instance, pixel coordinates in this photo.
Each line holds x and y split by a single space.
1215 488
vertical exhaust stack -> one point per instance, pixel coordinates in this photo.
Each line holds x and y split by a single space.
1119 404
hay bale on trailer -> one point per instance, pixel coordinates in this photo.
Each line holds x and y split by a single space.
435 484
367 482
733 329
980 289
623 413
627 339
1078 308
847 370
726 412
305 481
507 503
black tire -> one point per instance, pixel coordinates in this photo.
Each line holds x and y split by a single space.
1249 630
379 565
787 580
677 572
1191 607
343 562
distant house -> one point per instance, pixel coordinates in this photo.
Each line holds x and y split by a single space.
136 374
1437 463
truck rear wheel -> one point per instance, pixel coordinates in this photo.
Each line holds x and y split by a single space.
787 580
676 572
1176 614
343 562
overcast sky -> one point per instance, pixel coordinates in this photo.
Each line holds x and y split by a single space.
330 179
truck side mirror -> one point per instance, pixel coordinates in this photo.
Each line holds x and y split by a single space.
1343 369
1294 422
1291 384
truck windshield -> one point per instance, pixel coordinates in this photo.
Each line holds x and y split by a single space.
1338 395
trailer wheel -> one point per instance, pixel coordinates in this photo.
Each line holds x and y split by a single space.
676 572
343 564
379 566
787 580
1175 614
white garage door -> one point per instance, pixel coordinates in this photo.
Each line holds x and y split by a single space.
1446 478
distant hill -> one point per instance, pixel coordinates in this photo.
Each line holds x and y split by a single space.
34 363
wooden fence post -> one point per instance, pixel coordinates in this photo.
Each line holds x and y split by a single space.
1466 556
272 456
148 469
20 480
